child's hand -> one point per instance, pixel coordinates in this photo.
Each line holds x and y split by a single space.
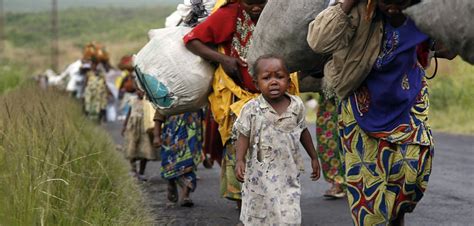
316 171
240 170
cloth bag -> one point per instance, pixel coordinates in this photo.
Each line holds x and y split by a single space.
282 29
174 79
448 21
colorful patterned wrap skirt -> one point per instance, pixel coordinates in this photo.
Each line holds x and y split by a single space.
329 150
230 186
386 172
181 148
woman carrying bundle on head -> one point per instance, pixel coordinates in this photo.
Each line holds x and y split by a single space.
224 38
386 139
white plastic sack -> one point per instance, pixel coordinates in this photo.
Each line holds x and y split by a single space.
448 21
288 22
172 20
184 9
174 79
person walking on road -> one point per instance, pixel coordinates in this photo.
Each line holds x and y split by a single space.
329 149
230 28
138 145
180 140
270 128
383 115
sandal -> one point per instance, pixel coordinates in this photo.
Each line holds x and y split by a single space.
141 178
172 192
187 202
334 193
208 163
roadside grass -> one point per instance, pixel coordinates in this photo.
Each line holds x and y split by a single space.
10 76
452 98
57 168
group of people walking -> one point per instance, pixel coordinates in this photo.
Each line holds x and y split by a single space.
374 140
374 143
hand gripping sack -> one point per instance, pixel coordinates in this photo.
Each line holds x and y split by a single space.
448 21
174 79
282 29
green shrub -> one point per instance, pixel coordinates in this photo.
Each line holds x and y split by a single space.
57 168
452 98
10 77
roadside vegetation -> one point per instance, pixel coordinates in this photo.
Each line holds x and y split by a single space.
452 97
11 76
121 30
57 168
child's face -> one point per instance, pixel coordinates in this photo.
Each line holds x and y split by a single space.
253 7
393 8
272 79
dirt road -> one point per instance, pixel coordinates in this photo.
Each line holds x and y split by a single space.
449 199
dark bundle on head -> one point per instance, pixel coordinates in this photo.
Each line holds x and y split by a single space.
254 71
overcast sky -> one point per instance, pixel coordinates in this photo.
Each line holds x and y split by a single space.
43 5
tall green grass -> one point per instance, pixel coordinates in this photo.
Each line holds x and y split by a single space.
57 168
10 77
452 98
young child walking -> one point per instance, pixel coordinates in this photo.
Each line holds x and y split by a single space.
271 127
138 145
180 139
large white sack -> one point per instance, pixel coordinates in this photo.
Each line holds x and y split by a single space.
174 79
172 20
184 9
282 29
449 21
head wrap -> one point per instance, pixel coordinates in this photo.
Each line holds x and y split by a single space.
95 53
126 63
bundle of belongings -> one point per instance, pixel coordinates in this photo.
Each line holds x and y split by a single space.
174 79
288 21
448 21
95 52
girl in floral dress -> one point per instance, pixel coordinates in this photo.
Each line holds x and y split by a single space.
270 127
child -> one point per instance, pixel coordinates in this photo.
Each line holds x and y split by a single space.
138 145
181 147
386 139
270 127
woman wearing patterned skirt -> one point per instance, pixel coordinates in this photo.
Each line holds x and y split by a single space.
386 140
329 151
180 138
